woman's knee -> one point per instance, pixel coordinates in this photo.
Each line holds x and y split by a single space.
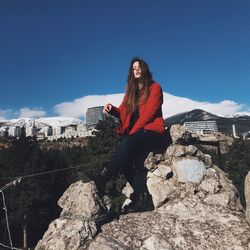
126 143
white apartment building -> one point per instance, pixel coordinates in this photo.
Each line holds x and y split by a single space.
72 134
15 131
40 136
201 127
81 127
56 131
30 131
47 130
70 129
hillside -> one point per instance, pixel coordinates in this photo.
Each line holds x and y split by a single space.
242 123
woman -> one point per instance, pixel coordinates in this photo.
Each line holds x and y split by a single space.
141 126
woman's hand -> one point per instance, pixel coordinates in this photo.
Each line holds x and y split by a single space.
107 108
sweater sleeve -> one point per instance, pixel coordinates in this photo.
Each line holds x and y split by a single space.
152 106
116 111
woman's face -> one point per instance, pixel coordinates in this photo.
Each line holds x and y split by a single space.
136 70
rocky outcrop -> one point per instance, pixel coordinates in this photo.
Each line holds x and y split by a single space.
80 206
247 196
196 207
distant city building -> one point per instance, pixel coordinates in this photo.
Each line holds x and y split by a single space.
72 134
40 136
15 131
94 115
30 131
81 127
234 131
57 130
201 127
3 132
70 128
47 130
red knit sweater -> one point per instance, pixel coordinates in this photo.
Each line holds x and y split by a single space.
150 113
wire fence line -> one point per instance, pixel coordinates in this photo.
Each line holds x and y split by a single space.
18 180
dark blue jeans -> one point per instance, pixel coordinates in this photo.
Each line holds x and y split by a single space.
130 155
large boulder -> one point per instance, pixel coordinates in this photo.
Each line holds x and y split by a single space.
196 207
183 223
76 225
177 131
247 196
159 188
189 170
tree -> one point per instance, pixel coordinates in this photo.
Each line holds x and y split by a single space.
237 164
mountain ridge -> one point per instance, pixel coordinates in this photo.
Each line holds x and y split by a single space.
242 123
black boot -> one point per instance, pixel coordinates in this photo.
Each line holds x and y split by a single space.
141 202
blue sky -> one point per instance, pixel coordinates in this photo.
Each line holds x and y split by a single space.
55 54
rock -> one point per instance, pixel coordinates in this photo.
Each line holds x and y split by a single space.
80 199
207 159
65 234
163 171
159 157
197 207
155 242
189 170
247 196
191 150
103 243
227 186
151 161
210 185
177 132
159 189
127 190
221 199
76 226
175 151
126 202
211 173
185 223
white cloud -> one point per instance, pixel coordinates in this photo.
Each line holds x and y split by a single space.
31 113
5 113
172 105
175 104
78 107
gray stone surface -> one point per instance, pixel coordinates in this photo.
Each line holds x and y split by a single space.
185 223
65 234
189 170
159 188
102 243
163 171
75 227
127 190
221 199
247 196
210 185
155 242
80 199
176 132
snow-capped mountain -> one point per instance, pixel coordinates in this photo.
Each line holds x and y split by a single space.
46 121
240 120
238 114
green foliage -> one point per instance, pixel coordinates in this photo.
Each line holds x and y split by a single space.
237 164
35 198
99 151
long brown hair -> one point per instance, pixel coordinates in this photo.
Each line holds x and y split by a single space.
132 89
